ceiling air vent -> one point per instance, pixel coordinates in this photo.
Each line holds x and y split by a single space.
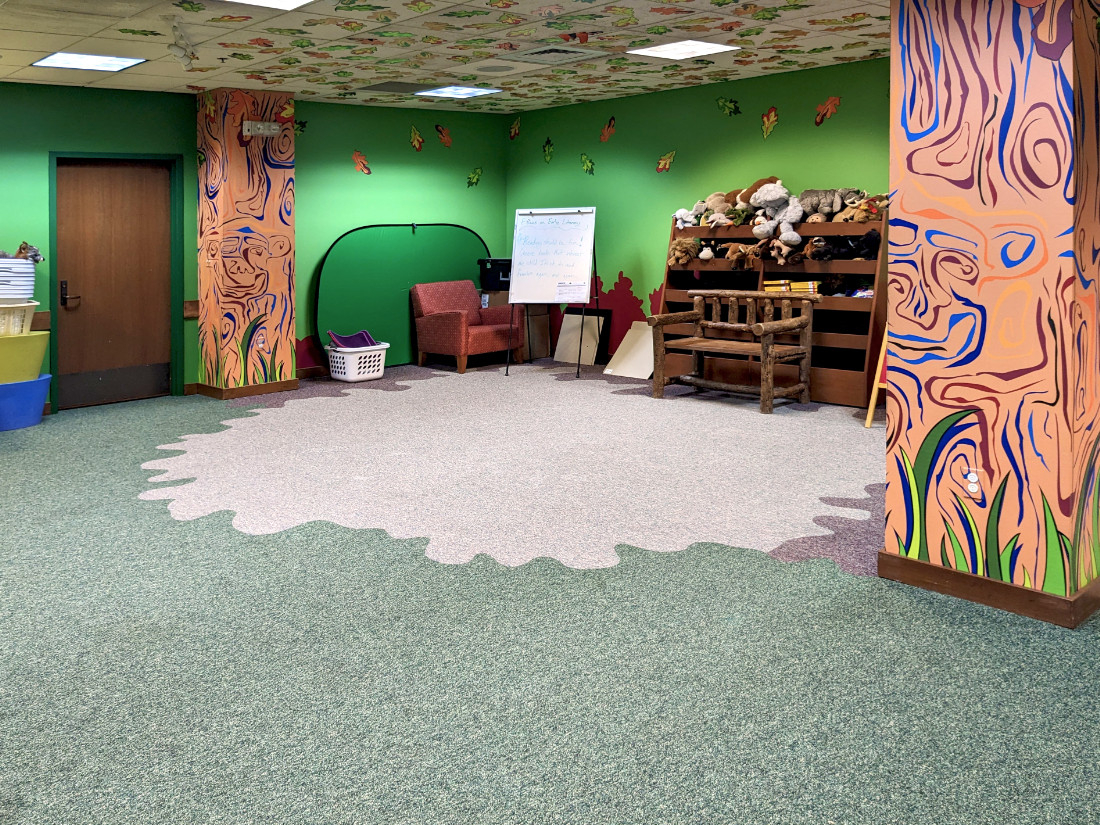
554 55
490 67
399 88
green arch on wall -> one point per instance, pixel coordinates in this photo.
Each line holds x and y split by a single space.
367 272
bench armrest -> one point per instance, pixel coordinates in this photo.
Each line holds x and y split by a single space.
674 318
772 327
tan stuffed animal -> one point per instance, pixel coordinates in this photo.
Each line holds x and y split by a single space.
868 209
756 253
682 251
736 254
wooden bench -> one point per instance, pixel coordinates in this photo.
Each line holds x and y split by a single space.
748 331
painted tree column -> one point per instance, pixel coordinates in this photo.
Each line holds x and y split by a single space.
993 360
246 240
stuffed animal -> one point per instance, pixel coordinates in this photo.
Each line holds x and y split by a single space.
844 248
741 197
682 251
757 253
829 201
706 253
817 217
831 284
782 211
780 250
25 252
716 202
818 249
740 214
866 246
684 217
715 219
868 209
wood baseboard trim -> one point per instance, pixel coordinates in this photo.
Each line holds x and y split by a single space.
1060 610
312 372
227 393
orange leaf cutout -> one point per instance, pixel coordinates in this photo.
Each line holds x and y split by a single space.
415 139
664 163
826 110
770 118
607 131
360 162
444 135
513 132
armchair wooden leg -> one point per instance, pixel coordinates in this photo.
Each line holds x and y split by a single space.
461 359
517 356
421 358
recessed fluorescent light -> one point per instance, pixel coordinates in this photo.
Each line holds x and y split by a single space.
683 50
458 92
285 5
90 62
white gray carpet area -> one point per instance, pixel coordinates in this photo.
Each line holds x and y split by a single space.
532 464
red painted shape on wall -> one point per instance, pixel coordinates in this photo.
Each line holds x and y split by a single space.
625 306
309 353
655 300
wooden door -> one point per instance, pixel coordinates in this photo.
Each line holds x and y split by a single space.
113 264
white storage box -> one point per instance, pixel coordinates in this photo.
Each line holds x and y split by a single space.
15 319
360 364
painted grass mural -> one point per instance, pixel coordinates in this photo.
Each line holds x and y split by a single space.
993 354
246 240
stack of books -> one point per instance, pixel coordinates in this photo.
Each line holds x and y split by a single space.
805 287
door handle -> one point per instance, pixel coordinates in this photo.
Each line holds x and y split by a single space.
65 296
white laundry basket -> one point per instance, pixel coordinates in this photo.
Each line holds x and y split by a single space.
359 364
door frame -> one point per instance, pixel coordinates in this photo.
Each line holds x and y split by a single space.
175 218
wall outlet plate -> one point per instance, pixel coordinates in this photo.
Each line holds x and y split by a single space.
260 128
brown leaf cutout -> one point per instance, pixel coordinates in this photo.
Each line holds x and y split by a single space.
769 118
826 110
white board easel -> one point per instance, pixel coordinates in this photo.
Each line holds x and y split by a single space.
552 256
553 260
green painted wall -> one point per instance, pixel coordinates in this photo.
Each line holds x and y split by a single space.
634 203
714 152
43 119
405 186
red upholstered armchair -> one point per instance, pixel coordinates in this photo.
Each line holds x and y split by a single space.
450 321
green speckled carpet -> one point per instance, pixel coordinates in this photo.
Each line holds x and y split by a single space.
161 671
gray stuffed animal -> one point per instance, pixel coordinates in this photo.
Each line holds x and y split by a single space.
829 201
780 210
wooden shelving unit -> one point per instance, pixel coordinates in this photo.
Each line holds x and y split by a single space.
847 331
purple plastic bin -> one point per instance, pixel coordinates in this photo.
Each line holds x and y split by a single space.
356 341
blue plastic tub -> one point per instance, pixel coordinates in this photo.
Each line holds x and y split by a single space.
21 402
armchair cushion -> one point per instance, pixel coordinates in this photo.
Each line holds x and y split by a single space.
502 315
494 337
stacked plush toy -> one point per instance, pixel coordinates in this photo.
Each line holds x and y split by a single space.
772 211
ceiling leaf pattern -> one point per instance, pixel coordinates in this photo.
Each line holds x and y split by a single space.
335 50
